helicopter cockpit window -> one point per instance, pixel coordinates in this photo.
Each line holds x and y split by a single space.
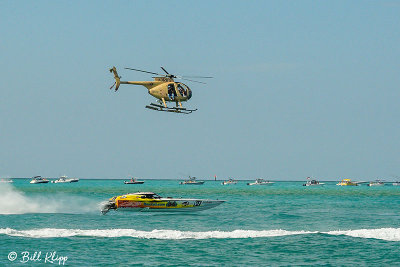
182 90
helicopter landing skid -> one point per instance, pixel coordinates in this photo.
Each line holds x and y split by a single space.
168 109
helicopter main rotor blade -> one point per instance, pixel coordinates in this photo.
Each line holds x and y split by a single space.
192 80
145 71
165 70
173 76
198 77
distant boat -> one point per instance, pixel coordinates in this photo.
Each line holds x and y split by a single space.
230 181
38 180
192 181
396 183
65 179
133 181
6 180
312 182
376 183
347 182
261 182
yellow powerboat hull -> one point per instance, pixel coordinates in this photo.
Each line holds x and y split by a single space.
148 201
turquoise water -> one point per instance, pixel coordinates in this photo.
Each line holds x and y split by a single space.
279 225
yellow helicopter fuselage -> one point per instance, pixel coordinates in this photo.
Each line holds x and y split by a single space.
165 88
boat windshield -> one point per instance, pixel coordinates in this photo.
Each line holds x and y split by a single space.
151 196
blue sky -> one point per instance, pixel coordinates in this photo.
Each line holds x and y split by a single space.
301 88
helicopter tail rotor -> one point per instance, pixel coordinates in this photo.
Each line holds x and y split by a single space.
117 78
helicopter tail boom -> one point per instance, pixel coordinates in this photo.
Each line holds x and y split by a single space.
118 82
117 78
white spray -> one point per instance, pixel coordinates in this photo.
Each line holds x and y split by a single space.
13 201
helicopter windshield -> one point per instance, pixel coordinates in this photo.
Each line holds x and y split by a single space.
184 90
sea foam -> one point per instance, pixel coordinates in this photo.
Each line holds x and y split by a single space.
13 201
155 234
388 234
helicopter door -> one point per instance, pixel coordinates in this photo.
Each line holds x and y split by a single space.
171 91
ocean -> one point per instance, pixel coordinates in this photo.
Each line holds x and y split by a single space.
285 224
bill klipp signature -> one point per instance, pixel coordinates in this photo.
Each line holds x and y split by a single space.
50 257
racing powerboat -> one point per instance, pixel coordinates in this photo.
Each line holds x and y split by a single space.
65 179
347 182
230 181
38 180
6 180
193 181
149 201
133 181
312 182
261 182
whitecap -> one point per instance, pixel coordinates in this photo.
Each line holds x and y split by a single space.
155 234
388 234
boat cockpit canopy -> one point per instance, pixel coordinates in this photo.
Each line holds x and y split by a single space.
150 195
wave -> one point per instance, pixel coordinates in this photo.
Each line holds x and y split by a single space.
155 234
388 234
13 201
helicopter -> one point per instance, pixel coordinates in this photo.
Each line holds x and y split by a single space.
164 88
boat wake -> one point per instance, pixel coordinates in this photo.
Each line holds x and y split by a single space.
388 234
13 201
